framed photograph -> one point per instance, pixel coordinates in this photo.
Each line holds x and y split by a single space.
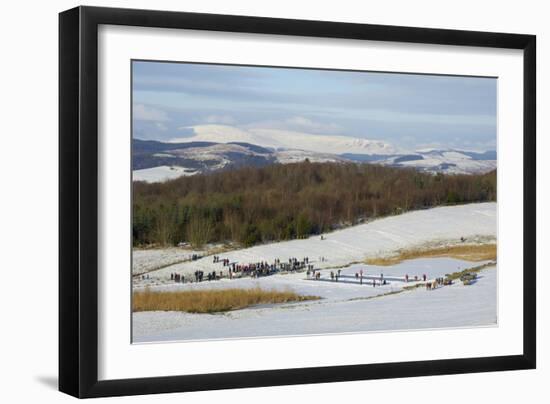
251 201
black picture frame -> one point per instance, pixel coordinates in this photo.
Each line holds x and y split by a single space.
78 201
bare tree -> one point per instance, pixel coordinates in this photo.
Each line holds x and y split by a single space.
199 231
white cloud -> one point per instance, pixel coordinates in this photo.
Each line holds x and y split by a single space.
145 113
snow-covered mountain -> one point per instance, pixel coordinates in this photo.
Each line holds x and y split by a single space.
284 139
157 161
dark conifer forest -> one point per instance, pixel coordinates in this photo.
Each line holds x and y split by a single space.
281 202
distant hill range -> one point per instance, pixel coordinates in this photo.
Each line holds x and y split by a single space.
154 161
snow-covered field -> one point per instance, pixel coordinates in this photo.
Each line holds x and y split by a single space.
354 244
144 261
346 305
343 307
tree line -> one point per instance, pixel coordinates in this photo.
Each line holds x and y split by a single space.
254 205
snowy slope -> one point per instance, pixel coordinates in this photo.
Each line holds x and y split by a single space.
150 259
356 243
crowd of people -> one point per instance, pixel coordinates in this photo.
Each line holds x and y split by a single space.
178 278
265 268
254 269
437 282
380 280
415 278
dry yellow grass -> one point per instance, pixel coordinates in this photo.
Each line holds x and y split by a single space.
211 301
457 275
467 252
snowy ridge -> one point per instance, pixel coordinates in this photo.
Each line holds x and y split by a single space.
285 139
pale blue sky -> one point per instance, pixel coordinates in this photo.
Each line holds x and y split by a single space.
408 111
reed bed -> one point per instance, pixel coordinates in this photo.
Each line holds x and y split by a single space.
211 301
466 252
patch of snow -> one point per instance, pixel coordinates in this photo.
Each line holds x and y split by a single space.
426 150
161 173
164 155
